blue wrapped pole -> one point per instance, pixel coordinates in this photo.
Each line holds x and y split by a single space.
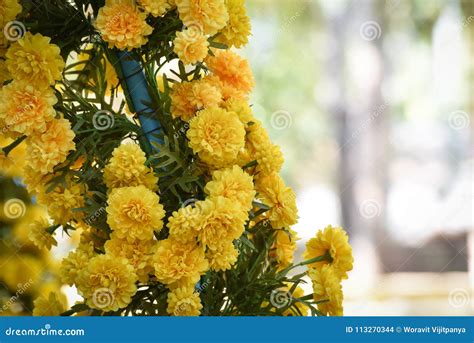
138 92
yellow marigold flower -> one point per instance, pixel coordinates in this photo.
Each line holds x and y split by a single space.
191 46
228 91
234 184
138 253
204 95
156 8
75 263
181 107
216 136
281 199
242 108
223 257
47 150
209 16
178 264
182 224
327 286
238 28
284 247
189 97
35 60
244 157
134 213
48 306
25 109
62 200
302 309
184 301
268 155
108 283
223 221
39 234
269 159
127 168
332 240
232 70
122 25
34 179
9 9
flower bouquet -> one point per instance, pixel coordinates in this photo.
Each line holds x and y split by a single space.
139 136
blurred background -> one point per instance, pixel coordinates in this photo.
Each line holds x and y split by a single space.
372 103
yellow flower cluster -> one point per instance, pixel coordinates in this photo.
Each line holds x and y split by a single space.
284 247
232 72
238 28
327 274
191 97
47 150
26 110
38 233
201 236
268 155
123 25
224 134
216 222
127 168
62 200
281 198
216 136
327 289
138 253
208 16
191 46
134 213
332 240
35 60
234 184
179 264
107 283
202 19
75 263
184 301
222 222
26 106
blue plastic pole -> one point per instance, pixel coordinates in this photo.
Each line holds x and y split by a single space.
138 90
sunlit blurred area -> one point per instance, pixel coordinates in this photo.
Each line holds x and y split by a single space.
372 104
